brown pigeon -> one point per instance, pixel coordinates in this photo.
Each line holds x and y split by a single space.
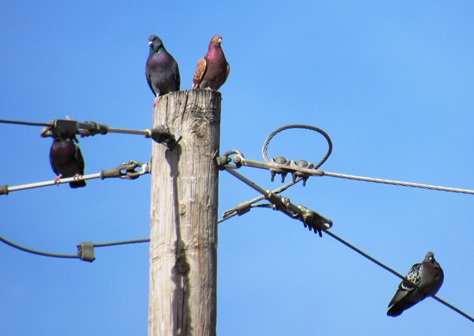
428 278
212 70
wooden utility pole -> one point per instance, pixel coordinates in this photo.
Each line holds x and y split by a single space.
183 242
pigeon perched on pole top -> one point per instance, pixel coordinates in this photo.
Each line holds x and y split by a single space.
66 160
428 278
162 72
212 70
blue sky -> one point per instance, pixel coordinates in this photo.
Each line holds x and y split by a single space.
391 82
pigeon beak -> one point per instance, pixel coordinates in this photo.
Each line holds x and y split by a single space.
149 43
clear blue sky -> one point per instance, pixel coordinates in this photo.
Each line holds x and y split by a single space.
391 82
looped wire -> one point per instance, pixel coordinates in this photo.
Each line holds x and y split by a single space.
302 126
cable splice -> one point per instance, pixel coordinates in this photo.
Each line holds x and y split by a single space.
85 250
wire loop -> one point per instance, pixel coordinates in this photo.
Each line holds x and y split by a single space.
302 126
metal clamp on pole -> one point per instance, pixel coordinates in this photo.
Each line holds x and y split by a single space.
224 160
164 135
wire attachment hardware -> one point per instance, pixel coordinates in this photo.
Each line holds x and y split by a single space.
301 164
4 190
311 219
126 170
280 160
225 159
314 221
69 128
85 251
164 135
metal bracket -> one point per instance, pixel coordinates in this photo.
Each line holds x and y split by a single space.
164 135
126 170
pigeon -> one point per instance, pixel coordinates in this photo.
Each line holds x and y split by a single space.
162 72
428 276
66 160
212 70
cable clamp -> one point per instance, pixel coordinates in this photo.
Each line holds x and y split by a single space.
281 161
164 135
314 221
4 190
85 251
126 170
69 128
301 164
225 159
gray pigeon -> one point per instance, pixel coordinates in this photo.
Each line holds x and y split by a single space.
162 72
212 70
428 276
66 160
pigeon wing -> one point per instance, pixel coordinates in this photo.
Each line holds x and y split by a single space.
199 74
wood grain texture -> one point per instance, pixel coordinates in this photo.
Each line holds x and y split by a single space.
184 199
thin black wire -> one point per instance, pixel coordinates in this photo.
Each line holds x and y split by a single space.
124 242
233 212
44 254
302 126
27 123
457 310
69 256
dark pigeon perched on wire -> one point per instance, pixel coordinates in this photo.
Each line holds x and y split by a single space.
212 70
428 276
162 72
66 160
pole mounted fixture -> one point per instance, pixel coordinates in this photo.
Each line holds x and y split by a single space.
162 134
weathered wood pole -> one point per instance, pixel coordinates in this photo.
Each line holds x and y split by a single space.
183 240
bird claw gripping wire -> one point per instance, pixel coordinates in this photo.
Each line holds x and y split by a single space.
126 170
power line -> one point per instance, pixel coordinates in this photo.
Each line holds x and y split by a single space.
85 250
161 134
123 242
399 183
125 170
378 263
41 253
321 224
293 168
